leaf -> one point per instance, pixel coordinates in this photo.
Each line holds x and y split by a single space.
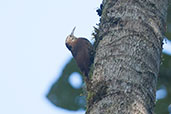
62 94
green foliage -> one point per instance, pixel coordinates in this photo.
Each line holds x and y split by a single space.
62 94
164 79
165 74
168 32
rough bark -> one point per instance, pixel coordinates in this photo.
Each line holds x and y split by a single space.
127 58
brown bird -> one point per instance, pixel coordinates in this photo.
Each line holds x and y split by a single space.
82 51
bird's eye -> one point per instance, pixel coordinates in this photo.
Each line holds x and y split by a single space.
68 46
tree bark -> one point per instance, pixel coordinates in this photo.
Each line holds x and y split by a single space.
127 58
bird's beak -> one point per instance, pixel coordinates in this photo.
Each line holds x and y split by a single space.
72 33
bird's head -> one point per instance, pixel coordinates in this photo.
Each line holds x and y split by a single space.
70 40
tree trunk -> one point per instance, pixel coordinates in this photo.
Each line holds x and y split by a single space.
127 58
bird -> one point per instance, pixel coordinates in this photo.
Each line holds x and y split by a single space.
82 51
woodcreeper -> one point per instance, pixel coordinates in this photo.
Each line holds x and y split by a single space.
82 51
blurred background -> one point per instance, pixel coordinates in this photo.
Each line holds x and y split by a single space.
37 72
